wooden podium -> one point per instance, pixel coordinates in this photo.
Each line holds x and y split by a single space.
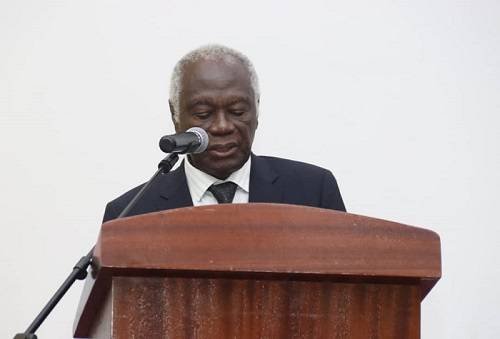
257 271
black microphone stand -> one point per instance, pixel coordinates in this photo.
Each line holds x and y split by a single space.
80 269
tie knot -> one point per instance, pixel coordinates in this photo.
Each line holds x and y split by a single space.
224 193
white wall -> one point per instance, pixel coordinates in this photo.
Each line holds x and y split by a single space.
403 98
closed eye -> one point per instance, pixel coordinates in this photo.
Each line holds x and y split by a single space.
237 112
202 114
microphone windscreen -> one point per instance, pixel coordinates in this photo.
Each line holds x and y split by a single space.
203 137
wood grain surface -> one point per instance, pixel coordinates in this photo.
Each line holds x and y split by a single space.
233 308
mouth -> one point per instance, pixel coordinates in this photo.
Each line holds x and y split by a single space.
223 150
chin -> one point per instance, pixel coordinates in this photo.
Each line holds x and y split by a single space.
220 167
224 168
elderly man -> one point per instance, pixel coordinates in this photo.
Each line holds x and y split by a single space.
216 88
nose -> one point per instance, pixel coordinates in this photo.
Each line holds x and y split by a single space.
221 124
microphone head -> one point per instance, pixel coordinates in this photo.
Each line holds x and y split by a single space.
203 139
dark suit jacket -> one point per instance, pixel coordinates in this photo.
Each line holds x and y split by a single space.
272 180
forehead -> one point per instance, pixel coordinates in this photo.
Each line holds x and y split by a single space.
215 77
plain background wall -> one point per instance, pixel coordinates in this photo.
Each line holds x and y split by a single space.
400 99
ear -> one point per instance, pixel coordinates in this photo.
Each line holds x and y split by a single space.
172 116
257 108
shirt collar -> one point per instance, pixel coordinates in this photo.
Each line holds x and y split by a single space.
199 181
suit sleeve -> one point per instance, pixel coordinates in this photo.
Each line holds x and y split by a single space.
330 194
110 212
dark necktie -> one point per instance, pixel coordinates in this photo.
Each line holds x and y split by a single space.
224 193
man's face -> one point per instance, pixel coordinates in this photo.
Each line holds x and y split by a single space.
218 97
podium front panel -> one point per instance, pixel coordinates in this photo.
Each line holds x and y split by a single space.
187 307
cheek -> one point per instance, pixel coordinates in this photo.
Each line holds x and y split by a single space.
247 131
186 124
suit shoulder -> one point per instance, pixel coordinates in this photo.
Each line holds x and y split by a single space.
174 181
282 164
115 206
303 183
126 197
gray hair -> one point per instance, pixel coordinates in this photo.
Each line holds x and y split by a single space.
209 52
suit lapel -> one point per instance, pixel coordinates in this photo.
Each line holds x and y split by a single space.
264 185
174 191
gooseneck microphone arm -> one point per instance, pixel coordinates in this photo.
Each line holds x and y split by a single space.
80 269
163 167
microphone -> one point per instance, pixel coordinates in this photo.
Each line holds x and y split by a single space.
194 140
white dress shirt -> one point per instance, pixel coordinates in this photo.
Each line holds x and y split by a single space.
198 183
